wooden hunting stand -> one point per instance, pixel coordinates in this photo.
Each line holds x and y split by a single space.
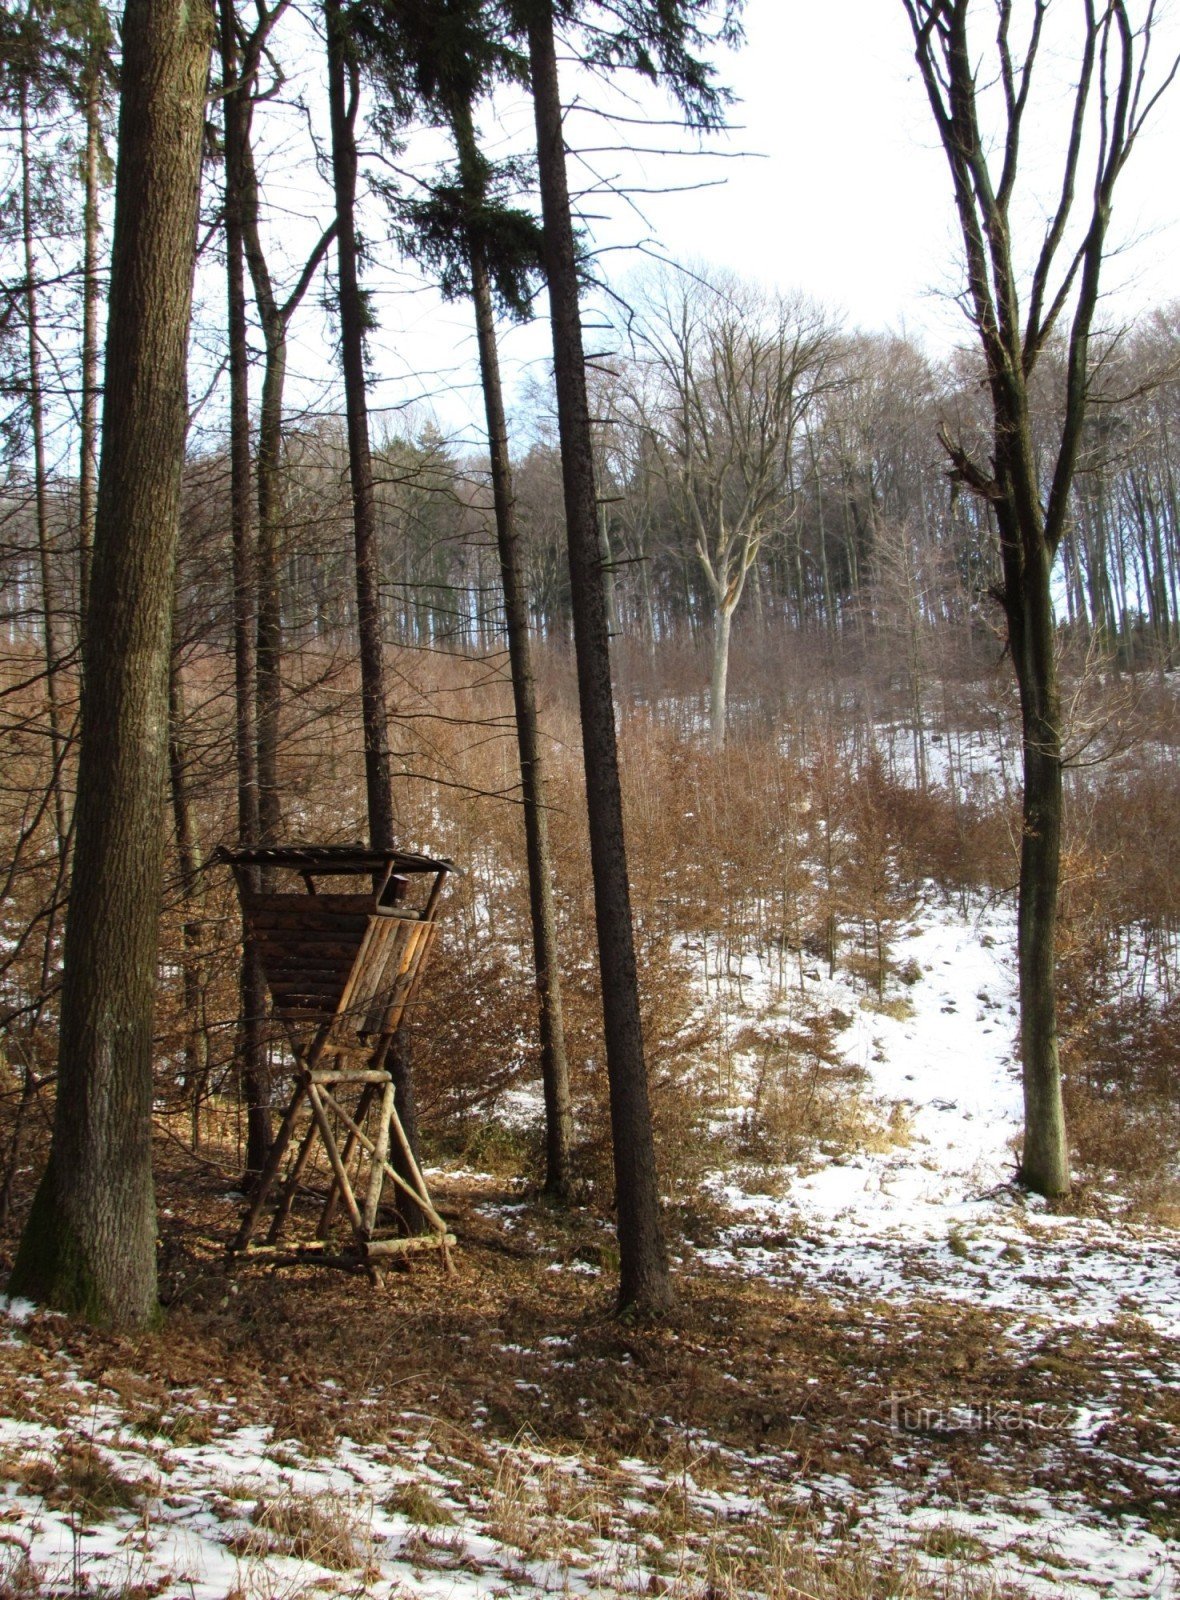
342 970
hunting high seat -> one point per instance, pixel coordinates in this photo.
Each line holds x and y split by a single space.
342 970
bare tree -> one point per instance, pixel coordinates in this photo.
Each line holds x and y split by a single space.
1014 307
275 315
736 370
94 91
440 61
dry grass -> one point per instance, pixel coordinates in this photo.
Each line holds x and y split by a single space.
420 1506
20 1578
79 1479
323 1529
783 1566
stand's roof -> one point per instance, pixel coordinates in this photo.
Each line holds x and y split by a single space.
333 858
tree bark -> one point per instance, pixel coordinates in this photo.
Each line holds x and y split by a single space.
719 678
342 100
252 1054
542 910
268 650
89 1243
1044 1162
645 1287
192 888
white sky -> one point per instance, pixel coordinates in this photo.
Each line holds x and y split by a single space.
853 201
847 199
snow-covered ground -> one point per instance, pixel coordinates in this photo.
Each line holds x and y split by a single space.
938 1212
930 1216
936 1216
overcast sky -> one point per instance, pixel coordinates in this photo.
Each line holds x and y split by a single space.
844 196
853 199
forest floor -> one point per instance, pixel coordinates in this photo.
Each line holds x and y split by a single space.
890 1373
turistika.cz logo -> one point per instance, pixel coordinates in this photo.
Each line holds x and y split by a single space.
912 1414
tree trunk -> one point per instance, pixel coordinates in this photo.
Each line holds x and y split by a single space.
542 911
89 1243
1045 1159
719 678
192 888
342 101
645 1286
606 561
268 615
269 645
252 1055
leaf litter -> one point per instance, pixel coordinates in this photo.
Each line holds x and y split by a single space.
890 1373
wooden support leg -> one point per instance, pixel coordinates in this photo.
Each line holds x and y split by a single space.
419 1194
380 1157
329 1138
432 1215
328 1215
291 1186
271 1171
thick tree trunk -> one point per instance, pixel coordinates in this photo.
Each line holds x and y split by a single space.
252 1054
645 1286
543 912
89 1243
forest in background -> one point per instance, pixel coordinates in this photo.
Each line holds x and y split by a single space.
770 486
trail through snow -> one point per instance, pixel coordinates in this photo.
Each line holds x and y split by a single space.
940 1213
939 1217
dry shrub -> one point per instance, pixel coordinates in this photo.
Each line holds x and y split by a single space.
962 844
1119 1009
674 1037
1122 1094
473 1036
804 1095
